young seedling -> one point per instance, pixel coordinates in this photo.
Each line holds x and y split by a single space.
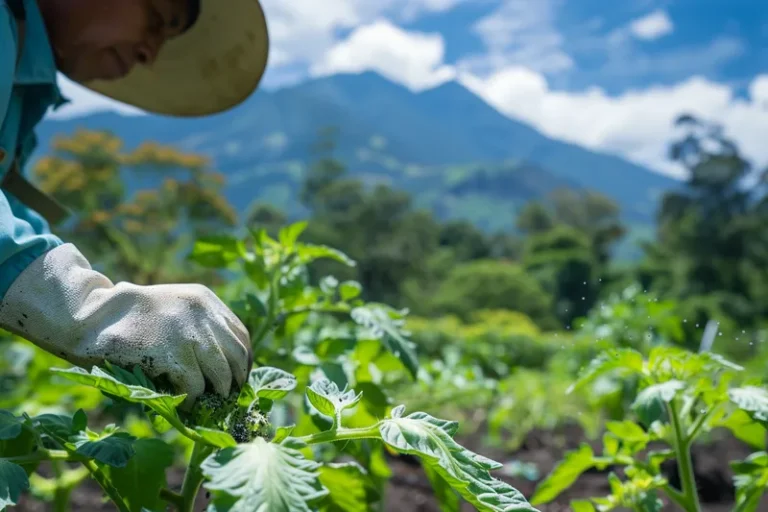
682 396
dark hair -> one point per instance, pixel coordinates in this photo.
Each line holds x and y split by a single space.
193 12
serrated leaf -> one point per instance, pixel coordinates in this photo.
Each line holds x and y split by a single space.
622 361
282 433
446 497
261 476
10 426
290 234
664 392
350 290
216 437
308 253
466 472
628 431
271 383
59 425
140 481
216 251
744 428
109 447
377 318
326 397
134 378
751 480
752 400
13 482
346 487
564 474
163 404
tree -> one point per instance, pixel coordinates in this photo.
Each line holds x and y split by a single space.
135 213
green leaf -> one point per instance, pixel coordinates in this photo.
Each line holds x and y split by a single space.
329 284
346 487
59 425
140 481
282 433
564 474
431 439
164 405
350 290
13 482
582 506
271 383
446 497
379 319
290 234
751 481
664 392
326 397
744 428
110 447
257 305
216 251
308 253
628 431
621 361
752 400
216 437
257 272
135 378
10 426
263 476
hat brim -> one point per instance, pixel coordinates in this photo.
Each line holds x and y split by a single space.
211 68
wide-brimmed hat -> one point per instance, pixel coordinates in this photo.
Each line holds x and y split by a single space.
211 68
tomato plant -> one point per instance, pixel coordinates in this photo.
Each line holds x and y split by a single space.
681 397
309 431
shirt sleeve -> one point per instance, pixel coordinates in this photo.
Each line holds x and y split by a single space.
24 234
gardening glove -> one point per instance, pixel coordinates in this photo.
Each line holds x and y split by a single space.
182 331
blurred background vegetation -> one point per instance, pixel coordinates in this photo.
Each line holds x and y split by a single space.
503 316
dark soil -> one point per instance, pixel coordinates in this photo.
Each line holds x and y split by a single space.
409 489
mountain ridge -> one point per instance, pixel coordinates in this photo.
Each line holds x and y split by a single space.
268 138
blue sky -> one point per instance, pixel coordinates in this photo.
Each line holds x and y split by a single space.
607 75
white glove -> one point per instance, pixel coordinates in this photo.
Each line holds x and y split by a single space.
183 331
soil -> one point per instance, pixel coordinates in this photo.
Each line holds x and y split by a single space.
410 491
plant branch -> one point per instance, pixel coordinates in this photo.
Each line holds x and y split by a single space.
174 498
685 465
194 476
105 484
42 454
343 434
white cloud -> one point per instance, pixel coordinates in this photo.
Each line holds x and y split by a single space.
414 59
520 33
637 125
652 26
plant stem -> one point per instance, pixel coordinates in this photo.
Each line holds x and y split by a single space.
343 434
105 484
41 455
269 320
193 477
690 496
174 498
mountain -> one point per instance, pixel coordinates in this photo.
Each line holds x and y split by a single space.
453 151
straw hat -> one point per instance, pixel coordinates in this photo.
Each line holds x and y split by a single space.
212 67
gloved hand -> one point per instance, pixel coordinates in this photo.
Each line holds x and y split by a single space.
183 331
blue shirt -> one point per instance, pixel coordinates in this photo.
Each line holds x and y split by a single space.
26 94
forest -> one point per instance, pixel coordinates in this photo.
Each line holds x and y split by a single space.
408 362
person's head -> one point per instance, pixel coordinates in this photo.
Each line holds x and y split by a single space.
183 58
106 39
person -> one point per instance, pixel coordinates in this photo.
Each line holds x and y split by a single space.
183 58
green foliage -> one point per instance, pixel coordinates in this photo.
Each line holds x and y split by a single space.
681 397
251 450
